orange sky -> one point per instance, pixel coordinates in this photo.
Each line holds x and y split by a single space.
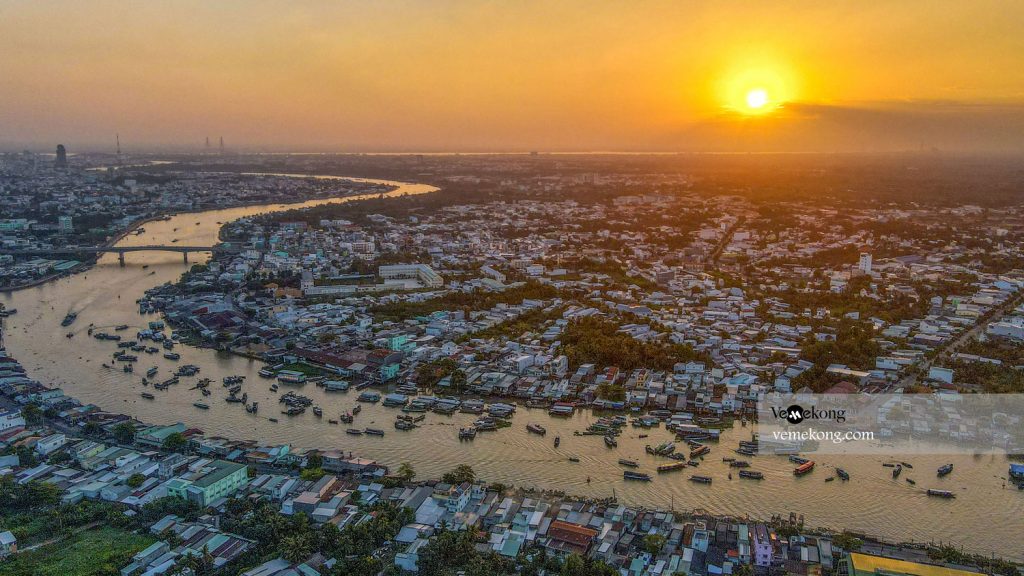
488 75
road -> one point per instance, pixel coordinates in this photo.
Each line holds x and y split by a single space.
953 345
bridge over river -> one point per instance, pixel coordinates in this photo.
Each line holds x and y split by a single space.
119 250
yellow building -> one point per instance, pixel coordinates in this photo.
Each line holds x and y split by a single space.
866 565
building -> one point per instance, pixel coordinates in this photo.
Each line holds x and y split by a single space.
48 445
8 544
568 538
422 273
867 565
61 161
65 224
212 482
10 419
865 263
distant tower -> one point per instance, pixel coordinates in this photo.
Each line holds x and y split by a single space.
207 143
865 262
221 144
61 162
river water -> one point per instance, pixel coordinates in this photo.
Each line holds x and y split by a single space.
985 516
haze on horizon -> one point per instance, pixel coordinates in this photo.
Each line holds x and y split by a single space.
715 76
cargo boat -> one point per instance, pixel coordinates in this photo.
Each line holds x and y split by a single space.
753 475
536 429
941 493
673 467
699 451
944 470
631 475
701 479
629 463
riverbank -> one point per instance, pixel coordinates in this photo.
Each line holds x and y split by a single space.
550 499
86 265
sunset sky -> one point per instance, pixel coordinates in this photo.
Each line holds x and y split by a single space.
510 76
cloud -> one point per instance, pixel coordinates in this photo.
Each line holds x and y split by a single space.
958 126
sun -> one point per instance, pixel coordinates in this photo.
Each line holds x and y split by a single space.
757 87
757 98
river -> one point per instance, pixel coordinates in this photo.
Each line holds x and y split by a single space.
985 516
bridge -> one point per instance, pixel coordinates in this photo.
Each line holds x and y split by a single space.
119 250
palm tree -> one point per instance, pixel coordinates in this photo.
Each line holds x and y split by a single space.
406 472
295 549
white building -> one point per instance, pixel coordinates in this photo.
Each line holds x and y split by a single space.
420 272
865 263
10 419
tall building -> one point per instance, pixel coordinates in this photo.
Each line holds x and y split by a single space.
865 263
66 224
61 162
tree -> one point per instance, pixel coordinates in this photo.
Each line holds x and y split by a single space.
124 433
32 413
314 460
92 428
175 442
295 549
461 473
406 472
742 570
458 380
135 480
653 543
312 474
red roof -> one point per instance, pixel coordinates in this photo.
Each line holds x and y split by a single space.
572 534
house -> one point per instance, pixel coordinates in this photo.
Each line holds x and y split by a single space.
10 419
217 480
566 538
50 444
8 544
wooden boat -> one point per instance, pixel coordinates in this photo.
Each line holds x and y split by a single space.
701 479
629 463
804 468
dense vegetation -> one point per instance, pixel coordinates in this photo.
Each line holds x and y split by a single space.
594 340
103 551
854 346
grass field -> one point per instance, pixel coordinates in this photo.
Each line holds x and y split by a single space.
91 553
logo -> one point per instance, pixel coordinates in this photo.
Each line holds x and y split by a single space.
796 414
